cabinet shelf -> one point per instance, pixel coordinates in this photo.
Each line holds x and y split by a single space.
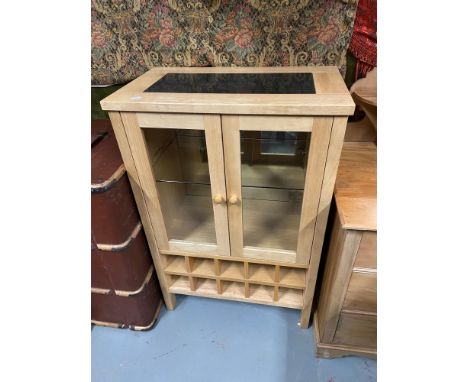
202 267
232 270
262 273
290 297
175 265
292 277
233 289
263 293
259 286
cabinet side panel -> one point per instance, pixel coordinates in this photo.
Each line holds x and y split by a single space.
331 168
124 147
321 132
144 170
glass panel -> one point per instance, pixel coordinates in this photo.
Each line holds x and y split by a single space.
273 175
180 166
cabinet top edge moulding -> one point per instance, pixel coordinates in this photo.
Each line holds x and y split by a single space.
330 96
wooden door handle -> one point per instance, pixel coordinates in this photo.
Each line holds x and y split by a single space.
219 199
233 199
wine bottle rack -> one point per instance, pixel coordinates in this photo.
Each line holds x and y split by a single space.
246 280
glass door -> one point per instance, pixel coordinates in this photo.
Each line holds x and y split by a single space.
184 153
270 162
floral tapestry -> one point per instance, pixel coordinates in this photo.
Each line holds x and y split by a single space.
131 36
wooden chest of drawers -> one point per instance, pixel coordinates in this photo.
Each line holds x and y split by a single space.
346 319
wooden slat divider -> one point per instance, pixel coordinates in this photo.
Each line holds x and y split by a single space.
277 273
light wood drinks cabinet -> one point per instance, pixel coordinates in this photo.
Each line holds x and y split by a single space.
233 172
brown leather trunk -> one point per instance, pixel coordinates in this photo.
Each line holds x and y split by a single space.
122 268
125 289
138 311
113 210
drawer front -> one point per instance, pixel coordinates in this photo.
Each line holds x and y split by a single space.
367 253
356 330
362 292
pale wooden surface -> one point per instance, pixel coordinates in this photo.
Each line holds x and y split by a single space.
332 97
232 162
171 121
213 137
138 147
331 166
122 141
191 218
259 294
356 186
236 279
278 123
317 158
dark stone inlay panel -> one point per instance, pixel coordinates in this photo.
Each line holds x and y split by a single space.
235 83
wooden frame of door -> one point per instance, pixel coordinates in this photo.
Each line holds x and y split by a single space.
211 125
320 129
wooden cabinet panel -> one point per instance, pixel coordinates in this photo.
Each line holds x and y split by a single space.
367 254
356 330
362 292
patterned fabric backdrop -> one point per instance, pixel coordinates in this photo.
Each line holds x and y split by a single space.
131 36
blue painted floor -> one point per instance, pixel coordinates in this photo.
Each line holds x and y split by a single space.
216 340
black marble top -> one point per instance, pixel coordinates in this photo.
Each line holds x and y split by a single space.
235 83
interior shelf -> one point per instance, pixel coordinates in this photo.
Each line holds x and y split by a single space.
273 176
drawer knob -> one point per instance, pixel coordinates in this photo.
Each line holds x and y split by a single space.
233 199
218 199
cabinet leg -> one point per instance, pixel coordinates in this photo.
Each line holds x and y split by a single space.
169 300
305 316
